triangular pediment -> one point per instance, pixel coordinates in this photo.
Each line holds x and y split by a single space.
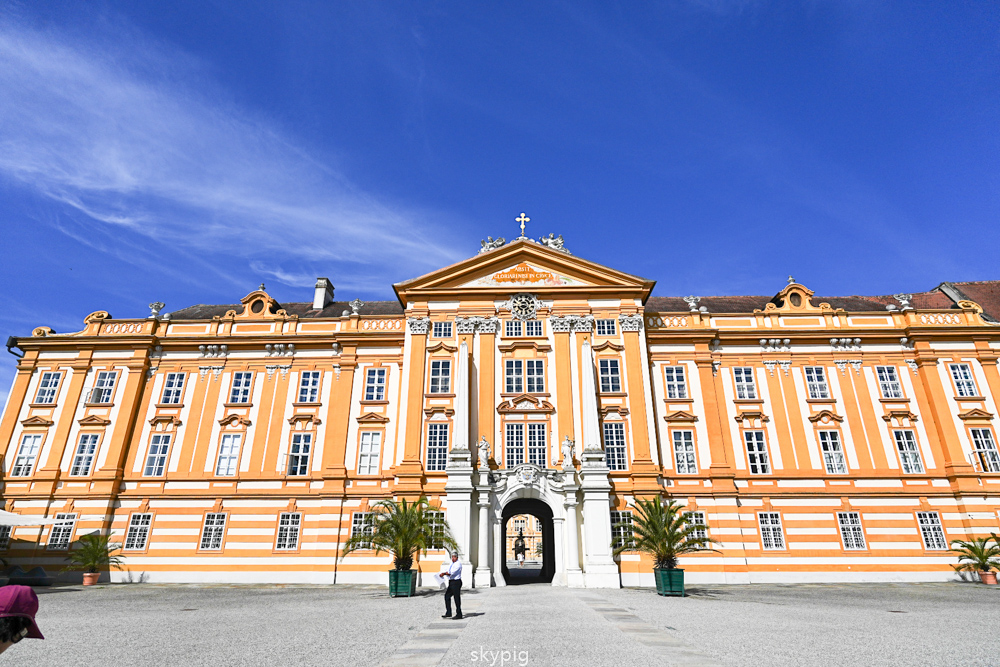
523 266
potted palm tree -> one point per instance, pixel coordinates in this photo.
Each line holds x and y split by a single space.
402 529
663 531
92 554
979 555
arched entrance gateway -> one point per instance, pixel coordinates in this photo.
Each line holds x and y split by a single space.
537 512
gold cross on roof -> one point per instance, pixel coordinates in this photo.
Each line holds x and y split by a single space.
522 219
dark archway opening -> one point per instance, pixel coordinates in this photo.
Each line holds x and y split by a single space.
540 511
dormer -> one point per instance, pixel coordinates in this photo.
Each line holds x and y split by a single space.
795 298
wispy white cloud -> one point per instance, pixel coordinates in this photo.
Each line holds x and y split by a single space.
106 128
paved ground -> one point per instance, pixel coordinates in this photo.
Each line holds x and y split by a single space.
794 625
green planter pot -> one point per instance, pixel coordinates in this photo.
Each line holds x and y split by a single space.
669 582
402 583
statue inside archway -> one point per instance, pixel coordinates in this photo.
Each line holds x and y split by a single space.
519 548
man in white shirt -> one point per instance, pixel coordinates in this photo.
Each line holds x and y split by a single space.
454 575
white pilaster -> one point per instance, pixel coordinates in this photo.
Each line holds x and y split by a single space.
459 487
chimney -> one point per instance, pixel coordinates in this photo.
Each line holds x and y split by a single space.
324 294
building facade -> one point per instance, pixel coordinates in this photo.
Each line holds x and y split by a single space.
817 439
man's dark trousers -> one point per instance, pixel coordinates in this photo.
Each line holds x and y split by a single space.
454 590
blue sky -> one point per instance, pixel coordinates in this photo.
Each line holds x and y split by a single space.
186 151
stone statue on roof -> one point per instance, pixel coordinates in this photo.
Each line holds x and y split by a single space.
491 244
554 242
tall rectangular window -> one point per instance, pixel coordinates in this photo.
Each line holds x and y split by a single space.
104 387
615 450
909 456
62 532
437 446
533 328
375 384
771 535
987 458
513 328
137 534
697 519
962 376
27 453
83 457
360 526
514 447
888 382
173 389
438 525
745 387
931 531
288 531
309 387
240 391
514 376
621 524
48 387
371 445
611 380
440 377
757 453
684 453
441 330
851 531
212 531
675 385
606 327
816 382
298 454
833 453
537 444
4 537
156 459
229 454
534 376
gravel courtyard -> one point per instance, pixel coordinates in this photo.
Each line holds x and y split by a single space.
891 624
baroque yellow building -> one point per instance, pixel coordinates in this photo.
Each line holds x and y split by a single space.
817 439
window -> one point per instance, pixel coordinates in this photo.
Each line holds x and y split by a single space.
512 328
533 328
213 530
229 454
536 444
84 456
288 531
986 450
964 384
375 384
437 446
610 375
771 535
535 448
535 376
931 531
816 382
104 387
437 528
48 387
606 328
697 519
851 531
173 387
519 523
675 385
514 453
371 445
441 330
156 459
888 382
621 523
4 537
360 526
62 532
240 392
298 455
745 387
909 457
137 533
614 445
833 453
514 375
520 375
757 452
309 387
26 455
440 377
684 453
